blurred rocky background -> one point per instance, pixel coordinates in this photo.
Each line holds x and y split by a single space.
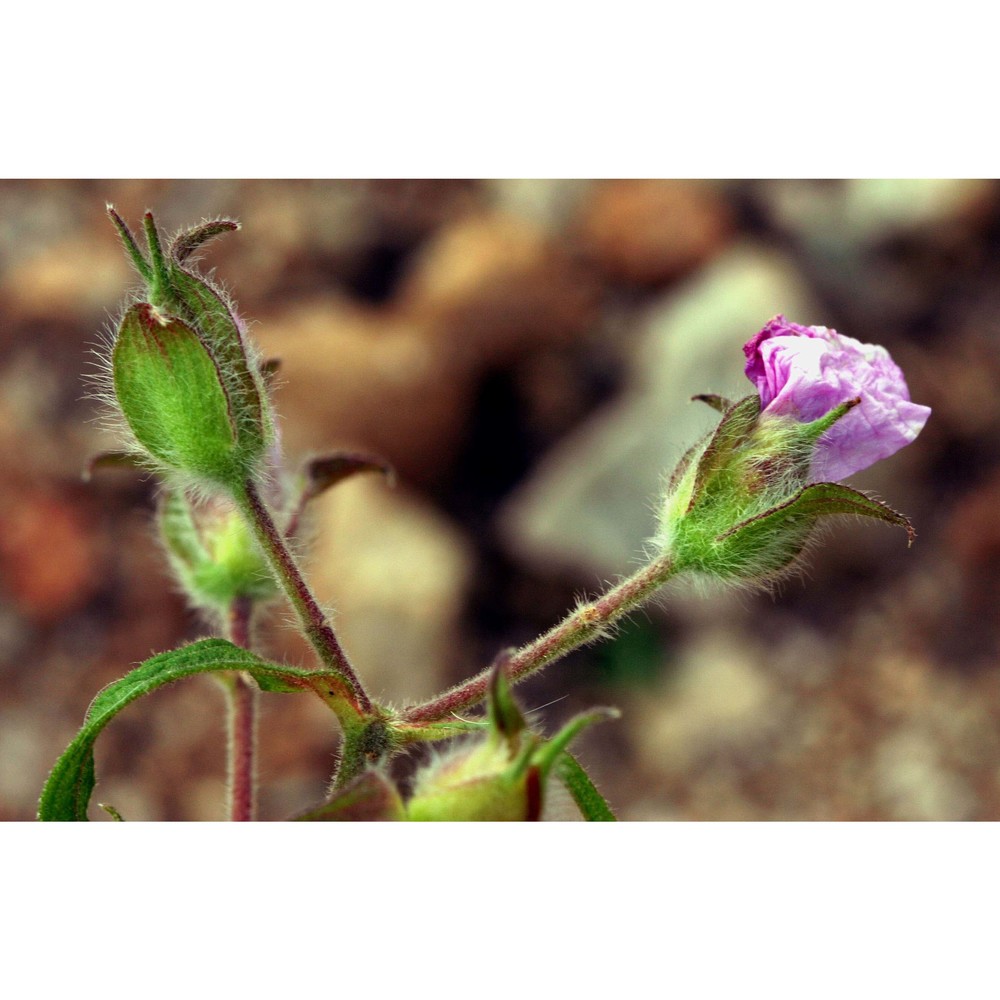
523 353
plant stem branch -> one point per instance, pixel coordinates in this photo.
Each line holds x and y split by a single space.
242 721
353 703
583 625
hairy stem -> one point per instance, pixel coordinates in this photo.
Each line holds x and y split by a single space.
242 722
584 624
353 703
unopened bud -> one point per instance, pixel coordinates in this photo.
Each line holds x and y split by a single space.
503 776
743 503
190 392
212 552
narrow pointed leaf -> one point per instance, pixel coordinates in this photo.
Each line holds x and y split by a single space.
161 278
551 749
592 805
137 257
67 791
328 470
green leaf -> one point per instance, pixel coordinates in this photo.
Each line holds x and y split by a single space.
588 799
67 791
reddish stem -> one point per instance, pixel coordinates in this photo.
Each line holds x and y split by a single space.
242 722
353 700
581 626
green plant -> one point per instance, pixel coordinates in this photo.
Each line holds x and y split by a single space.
191 399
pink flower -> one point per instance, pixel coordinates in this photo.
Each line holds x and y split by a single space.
804 371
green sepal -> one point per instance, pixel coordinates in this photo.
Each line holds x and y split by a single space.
734 429
504 716
371 797
797 516
67 791
501 777
592 805
171 394
549 751
205 308
191 240
718 403
139 261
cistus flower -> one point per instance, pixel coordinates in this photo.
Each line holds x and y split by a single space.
744 502
803 372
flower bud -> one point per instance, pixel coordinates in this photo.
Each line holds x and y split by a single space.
503 776
212 552
743 503
192 396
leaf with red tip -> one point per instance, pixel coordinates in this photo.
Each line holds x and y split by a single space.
329 470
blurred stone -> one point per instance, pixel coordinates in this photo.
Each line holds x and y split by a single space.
396 574
24 765
69 278
912 784
862 211
717 698
352 377
649 232
550 203
49 561
588 503
491 285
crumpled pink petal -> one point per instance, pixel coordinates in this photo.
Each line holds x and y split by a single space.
805 371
